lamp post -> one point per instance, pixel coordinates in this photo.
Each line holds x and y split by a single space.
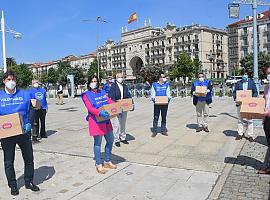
3 30
98 20
254 4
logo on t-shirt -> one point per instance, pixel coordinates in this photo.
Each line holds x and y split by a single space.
39 96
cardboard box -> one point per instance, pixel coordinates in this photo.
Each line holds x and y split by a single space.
10 125
241 95
126 104
113 109
36 104
253 108
200 91
161 100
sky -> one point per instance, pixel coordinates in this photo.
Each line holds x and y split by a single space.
52 29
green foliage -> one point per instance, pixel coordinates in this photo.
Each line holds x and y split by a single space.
78 75
184 67
93 70
52 76
263 59
24 75
150 73
197 66
11 62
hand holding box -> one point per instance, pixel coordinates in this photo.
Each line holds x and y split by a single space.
200 91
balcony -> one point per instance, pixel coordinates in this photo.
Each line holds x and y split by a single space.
266 43
244 34
196 40
218 42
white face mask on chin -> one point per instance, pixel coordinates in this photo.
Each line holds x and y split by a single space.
10 85
120 80
93 86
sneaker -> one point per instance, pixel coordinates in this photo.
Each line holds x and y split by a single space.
239 137
109 165
206 129
117 144
250 139
125 141
100 169
199 129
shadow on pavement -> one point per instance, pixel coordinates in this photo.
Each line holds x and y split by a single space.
230 133
229 115
50 132
115 159
192 126
69 109
130 137
42 174
245 161
261 140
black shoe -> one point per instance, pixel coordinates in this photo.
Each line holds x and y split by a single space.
14 191
250 139
206 129
44 136
32 186
165 133
125 141
164 130
117 144
239 137
199 129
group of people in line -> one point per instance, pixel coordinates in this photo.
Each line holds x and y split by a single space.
13 100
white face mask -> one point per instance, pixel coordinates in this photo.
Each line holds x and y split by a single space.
35 85
164 79
93 85
10 85
120 80
201 79
268 77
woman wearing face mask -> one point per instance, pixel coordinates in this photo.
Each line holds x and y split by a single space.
245 84
94 98
39 94
202 103
12 101
160 88
118 91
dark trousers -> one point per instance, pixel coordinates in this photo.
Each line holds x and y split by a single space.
157 109
266 127
39 118
8 146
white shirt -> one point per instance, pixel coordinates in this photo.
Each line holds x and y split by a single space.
121 89
268 99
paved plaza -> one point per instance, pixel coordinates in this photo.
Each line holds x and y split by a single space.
185 165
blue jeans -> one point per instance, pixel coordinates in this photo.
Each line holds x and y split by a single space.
108 147
157 110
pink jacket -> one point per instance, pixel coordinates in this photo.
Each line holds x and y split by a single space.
94 127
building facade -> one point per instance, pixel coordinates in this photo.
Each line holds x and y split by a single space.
82 62
240 38
162 46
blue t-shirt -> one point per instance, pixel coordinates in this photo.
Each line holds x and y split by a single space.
161 89
39 94
17 102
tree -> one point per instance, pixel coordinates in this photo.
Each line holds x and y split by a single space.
183 67
79 78
93 70
24 75
150 73
263 59
11 62
197 66
44 78
63 71
52 76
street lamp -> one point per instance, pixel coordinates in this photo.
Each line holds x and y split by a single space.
3 30
98 20
254 4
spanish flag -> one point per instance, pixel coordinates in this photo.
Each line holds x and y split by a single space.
132 18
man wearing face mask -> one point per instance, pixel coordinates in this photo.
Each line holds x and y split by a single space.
202 102
118 91
245 84
107 85
160 88
39 94
13 100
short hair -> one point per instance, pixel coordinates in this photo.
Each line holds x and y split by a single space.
90 80
160 73
9 73
200 73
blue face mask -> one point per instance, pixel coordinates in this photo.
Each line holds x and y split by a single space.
245 78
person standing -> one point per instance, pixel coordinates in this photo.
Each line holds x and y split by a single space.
14 100
60 95
94 98
245 84
202 102
107 85
39 94
160 88
118 91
